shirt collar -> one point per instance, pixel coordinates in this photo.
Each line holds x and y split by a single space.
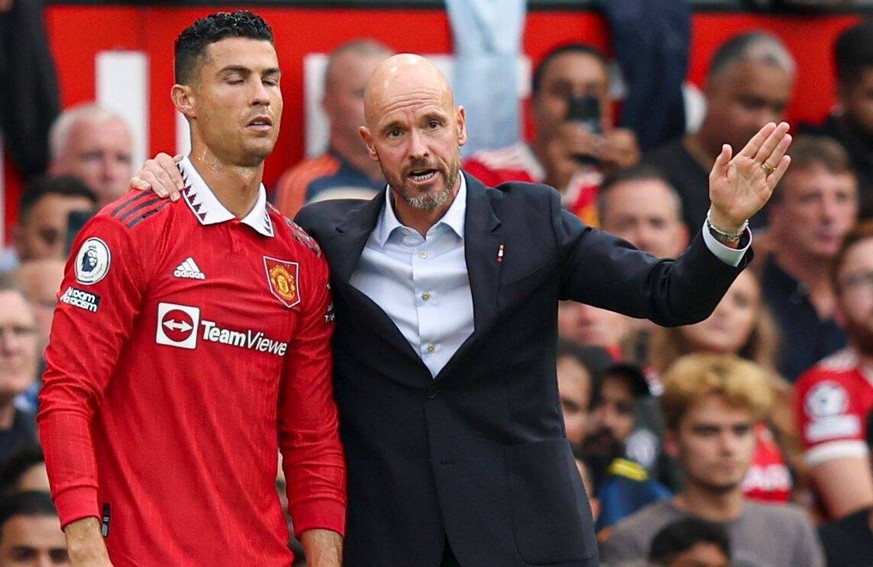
209 210
454 217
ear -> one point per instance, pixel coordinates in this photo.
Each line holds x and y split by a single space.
183 100
369 142
461 120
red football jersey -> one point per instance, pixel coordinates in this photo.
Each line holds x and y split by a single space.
768 478
188 347
832 401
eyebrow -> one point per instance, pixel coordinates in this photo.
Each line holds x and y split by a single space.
247 71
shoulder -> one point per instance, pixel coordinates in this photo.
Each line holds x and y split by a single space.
514 191
781 514
289 229
131 211
840 368
323 213
648 519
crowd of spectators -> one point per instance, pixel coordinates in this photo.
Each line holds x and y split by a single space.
702 443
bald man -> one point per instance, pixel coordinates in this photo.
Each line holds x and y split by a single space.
446 297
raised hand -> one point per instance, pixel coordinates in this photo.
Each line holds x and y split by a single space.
741 185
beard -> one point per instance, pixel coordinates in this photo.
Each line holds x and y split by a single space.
860 335
433 198
426 201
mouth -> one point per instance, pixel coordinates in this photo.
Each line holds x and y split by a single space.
262 123
420 176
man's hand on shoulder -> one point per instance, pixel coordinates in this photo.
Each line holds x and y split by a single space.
160 175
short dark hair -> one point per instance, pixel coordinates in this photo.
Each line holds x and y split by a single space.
29 503
758 46
631 375
638 172
63 185
192 42
594 359
853 52
807 150
580 48
682 535
17 464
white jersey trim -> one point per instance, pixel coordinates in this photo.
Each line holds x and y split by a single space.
834 450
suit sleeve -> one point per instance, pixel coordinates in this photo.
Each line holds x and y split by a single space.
98 302
313 459
603 270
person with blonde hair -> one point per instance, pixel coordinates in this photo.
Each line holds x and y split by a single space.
741 325
711 404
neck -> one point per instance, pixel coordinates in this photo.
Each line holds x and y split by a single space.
7 415
711 506
813 272
418 220
865 359
355 152
235 187
703 152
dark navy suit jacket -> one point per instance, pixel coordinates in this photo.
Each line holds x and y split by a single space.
478 454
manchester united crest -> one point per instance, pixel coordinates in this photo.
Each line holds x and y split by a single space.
282 277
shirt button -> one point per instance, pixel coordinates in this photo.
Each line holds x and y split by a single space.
425 296
422 254
430 349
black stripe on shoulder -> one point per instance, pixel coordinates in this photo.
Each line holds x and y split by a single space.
143 205
129 200
138 219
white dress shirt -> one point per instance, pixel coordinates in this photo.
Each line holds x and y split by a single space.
421 283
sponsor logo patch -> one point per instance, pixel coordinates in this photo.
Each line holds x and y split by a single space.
177 325
81 299
189 270
92 261
282 277
182 326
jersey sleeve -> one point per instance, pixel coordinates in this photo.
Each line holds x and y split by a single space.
98 301
831 422
313 459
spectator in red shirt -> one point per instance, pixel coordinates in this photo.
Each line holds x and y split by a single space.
835 396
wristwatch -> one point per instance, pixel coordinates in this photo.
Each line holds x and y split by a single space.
725 237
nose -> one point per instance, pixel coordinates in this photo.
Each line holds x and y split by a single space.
260 96
417 146
9 340
829 208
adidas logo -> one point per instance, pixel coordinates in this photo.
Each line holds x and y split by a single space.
188 269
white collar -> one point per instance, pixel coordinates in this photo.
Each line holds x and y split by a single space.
454 217
209 210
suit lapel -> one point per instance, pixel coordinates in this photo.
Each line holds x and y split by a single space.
482 239
351 236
